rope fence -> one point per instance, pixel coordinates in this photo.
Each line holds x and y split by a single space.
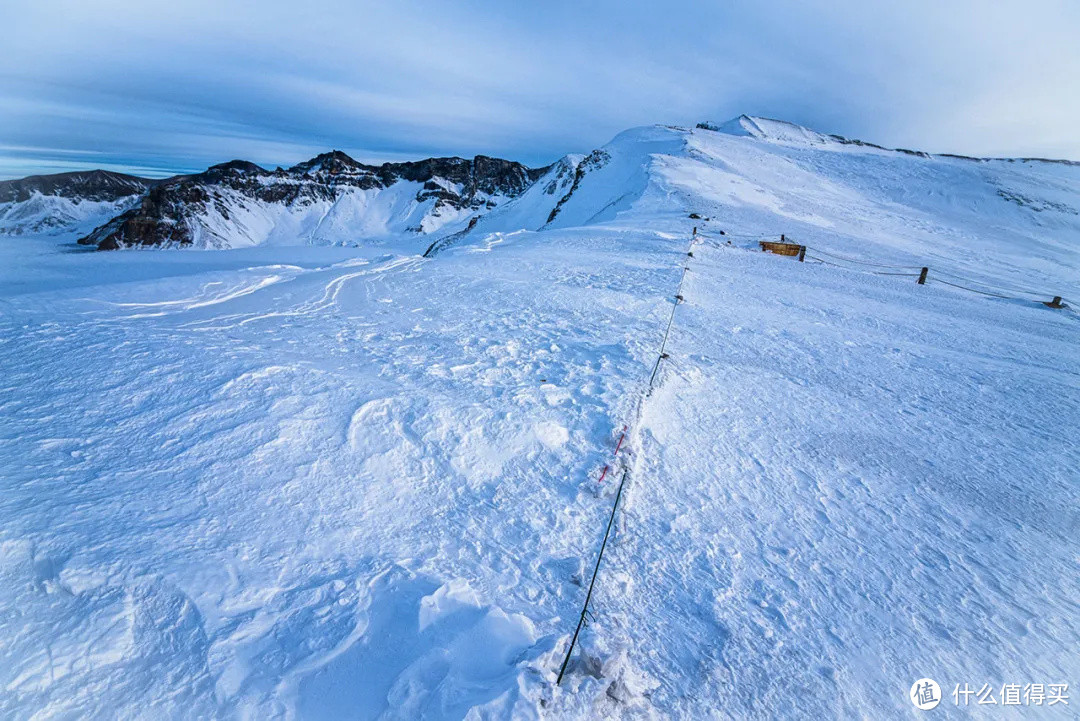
592 583
830 259
925 274
661 355
817 256
973 290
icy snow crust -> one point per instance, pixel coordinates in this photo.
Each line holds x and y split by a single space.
325 482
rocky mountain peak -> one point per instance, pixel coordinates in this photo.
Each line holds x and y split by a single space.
237 167
332 163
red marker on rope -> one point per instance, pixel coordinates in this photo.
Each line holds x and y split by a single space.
618 445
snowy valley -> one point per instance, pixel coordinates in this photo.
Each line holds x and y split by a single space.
327 441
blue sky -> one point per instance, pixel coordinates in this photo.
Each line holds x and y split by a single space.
158 88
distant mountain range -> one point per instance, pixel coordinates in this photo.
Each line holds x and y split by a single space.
334 199
94 185
66 202
330 198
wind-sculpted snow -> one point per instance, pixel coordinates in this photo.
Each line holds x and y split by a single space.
305 453
353 482
838 495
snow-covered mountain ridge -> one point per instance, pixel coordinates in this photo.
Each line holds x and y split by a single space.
996 218
66 202
335 200
330 199
95 185
783 131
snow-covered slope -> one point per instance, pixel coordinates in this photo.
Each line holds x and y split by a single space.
777 131
307 482
1015 222
71 203
533 209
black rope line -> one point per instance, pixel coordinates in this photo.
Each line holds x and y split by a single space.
663 343
586 614
861 262
974 290
936 271
825 262
596 569
1038 297
1028 291
671 319
844 267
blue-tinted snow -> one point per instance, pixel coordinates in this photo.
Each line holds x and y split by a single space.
287 482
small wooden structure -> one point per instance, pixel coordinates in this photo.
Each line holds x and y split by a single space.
782 248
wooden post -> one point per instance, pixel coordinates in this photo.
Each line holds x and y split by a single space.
1055 303
922 276
802 253
782 238
695 230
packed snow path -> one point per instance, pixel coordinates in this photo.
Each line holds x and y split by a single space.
622 471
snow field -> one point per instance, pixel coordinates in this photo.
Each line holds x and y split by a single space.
273 472
834 497
352 482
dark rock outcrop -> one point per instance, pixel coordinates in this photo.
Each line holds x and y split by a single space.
170 212
594 160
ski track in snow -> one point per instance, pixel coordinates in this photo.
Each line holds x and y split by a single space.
352 483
